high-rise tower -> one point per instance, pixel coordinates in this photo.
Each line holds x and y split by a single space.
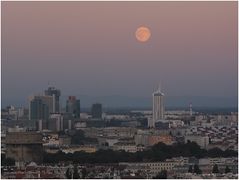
40 106
190 109
55 93
158 107
96 111
73 106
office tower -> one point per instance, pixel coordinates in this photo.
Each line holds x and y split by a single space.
73 106
77 110
70 103
190 109
158 106
55 93
96 111
40 107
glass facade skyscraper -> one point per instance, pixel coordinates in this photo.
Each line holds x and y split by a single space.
73 106
96 111
55 93
38 109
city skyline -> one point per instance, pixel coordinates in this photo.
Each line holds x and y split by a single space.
119 90
120 101
190 53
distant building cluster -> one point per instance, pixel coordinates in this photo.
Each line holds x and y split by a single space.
45 126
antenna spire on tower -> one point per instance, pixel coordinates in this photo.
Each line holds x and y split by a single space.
159 88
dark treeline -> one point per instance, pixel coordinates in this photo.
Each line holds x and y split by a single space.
79 138
158 152
7 161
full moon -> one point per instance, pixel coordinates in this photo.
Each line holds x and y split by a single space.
142 34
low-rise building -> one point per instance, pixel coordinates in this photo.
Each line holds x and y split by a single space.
84 148
155 139
128 147
152 167
24 146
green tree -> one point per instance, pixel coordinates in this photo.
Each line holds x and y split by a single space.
227 170
197 170
68 174
83 173
190 169
7 161
158 152
75 173
161 175
79 138
215 169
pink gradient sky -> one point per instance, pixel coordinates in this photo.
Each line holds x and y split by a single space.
90 48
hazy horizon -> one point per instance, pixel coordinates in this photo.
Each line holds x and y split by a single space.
119 101
89 49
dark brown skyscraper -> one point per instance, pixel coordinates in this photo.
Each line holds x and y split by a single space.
73 106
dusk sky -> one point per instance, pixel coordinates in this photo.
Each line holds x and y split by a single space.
89 48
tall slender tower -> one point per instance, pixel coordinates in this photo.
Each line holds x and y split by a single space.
158 106
190 109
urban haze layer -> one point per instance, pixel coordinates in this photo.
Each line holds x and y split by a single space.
46 141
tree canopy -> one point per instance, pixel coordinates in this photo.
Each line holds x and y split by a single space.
215 169
158 152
